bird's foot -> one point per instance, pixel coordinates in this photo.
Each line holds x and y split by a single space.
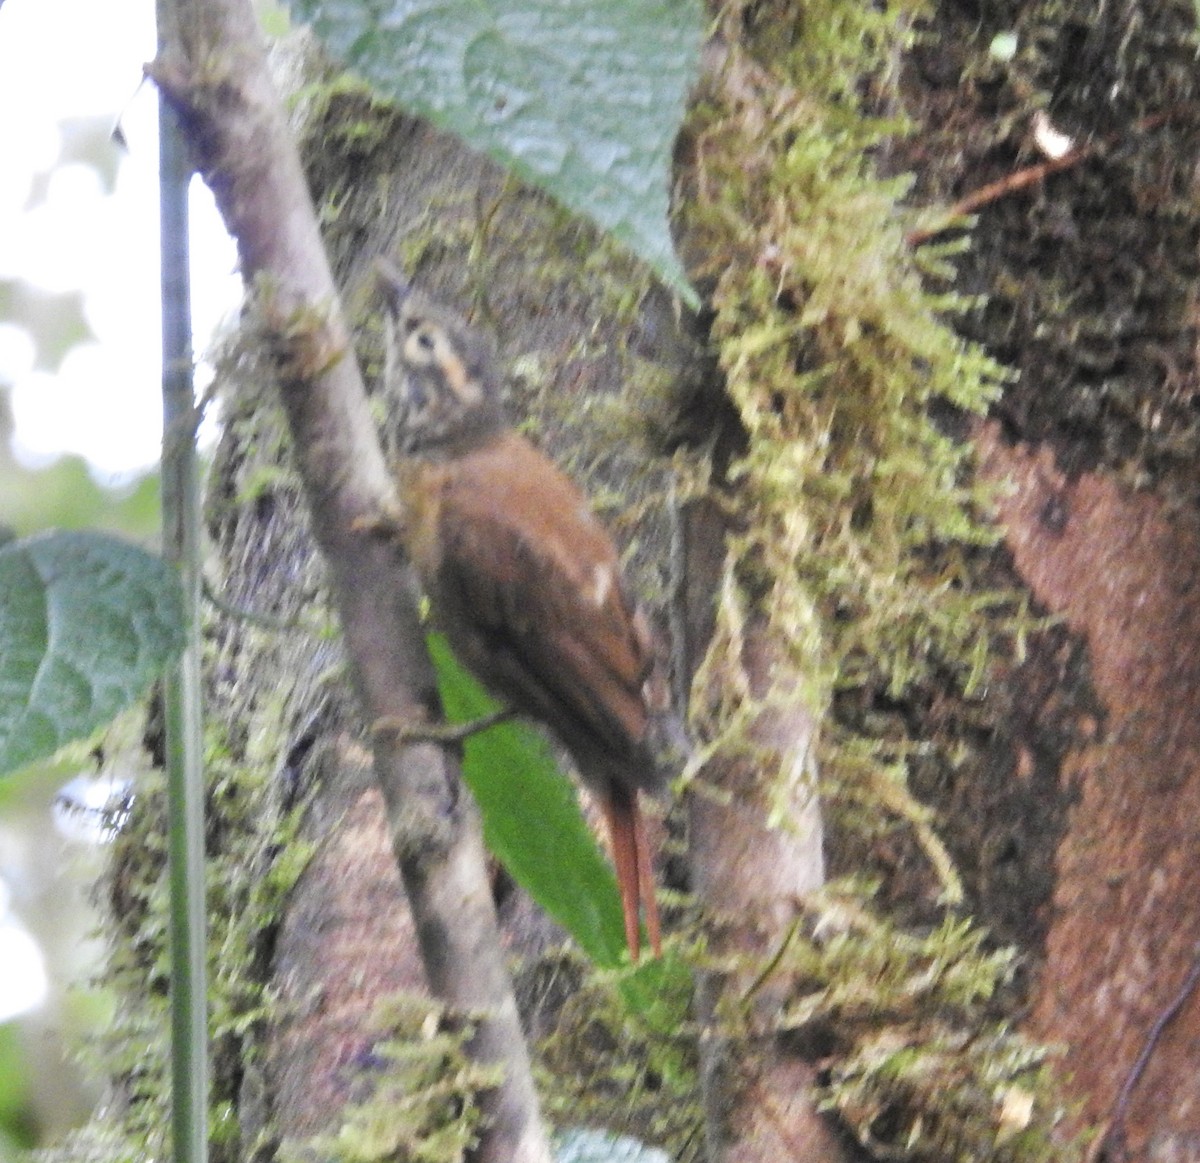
408 731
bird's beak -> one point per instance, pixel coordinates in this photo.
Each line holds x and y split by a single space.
394 286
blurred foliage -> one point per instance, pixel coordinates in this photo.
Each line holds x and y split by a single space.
46 873
65 495
41 1091
16 1131
86 141
54 320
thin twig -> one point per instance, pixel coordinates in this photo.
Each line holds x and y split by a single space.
183 699
406 731
772 962
1029 176
251 617
1114 1136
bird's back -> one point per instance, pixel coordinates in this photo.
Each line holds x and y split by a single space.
528 586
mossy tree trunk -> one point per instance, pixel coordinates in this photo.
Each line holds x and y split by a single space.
830 578
612 382
1080 832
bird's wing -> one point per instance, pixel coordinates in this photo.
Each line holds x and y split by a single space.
535 578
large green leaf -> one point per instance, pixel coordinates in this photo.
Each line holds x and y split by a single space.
581 97
86 621
531 818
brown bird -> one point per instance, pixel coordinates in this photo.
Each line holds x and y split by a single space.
522 578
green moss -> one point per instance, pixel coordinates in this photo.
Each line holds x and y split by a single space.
835 353
421 1102
250 871
862 529
607 1063
347 131
921 1067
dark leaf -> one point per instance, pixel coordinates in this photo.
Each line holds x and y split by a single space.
582 98
86 622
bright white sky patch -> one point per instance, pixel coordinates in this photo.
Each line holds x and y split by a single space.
23 981
63 59
24 971
76 58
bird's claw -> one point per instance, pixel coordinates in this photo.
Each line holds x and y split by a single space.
410 731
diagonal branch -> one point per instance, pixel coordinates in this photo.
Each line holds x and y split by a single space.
215 75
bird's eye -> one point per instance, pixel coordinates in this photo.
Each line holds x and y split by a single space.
421 345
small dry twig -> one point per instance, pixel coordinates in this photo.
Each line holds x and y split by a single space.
1110 1146
1029 176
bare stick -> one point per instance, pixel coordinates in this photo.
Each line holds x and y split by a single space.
405 731
215 75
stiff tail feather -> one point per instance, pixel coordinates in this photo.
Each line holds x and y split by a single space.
635 874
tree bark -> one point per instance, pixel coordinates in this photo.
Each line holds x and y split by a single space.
1080 829
758 1090
1123 934
215 74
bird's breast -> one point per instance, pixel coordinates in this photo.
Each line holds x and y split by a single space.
421 486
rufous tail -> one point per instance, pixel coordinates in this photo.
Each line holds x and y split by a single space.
635 873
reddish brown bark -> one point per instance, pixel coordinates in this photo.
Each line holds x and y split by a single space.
347 941
1124 573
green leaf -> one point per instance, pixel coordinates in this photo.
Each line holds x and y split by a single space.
579 1145
86 622
583 98
531 818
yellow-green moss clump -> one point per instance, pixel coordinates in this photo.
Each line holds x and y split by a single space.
420 1106
250 871
859 509
623 1052
861 524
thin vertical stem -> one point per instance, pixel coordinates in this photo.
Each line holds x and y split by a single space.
181 544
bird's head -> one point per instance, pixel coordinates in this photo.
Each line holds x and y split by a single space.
442 372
